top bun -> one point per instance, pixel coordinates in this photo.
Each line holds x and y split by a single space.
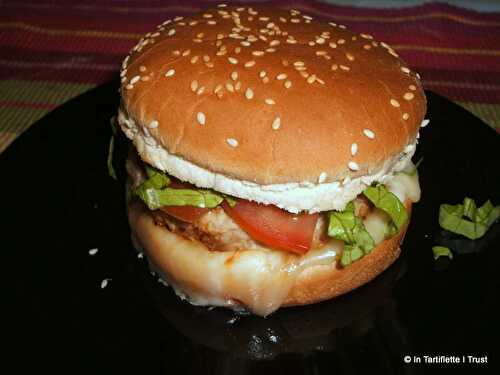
271 96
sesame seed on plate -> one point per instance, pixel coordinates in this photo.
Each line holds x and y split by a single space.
276 123
424 123
93 251
408 96
104 283
153 124
170 73
200 116
249 93
370 134
394 103
354 149
353 166
322 177
232 142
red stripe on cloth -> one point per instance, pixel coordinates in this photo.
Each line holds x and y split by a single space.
25 104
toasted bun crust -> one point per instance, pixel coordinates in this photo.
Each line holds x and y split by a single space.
256 280
270 96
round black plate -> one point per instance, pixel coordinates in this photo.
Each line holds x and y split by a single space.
58 203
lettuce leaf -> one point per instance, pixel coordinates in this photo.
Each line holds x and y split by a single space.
156 198
346 226
155 193
468 220
388 202
111 149
441 251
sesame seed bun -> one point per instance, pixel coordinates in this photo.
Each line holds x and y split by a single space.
269 96
256 280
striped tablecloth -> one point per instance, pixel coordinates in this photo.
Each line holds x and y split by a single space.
51 51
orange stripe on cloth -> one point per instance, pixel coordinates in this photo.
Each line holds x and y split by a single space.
81 33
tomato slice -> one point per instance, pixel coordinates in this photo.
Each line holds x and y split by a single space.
273 226
189 214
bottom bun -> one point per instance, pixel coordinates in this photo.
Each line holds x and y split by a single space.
258 280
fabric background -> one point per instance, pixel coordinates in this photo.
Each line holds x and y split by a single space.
52 51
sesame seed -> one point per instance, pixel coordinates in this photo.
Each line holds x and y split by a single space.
93 251
249 64
369 133
270 101
408 96
249 93
232 142
404 69
322 177
276 123
234 76
412 87
197 40
265 79
232 60
142 68
304 74
341 41
311 78
394 103
124 79
332 44
298 63
258 53
104 283
295 20
171 32
237 85
343 27
270 50
346 68
353 166
194 59
367 47
274 43
135 79
262 74
245 43
354 149
320 40
230 87
170 73
424 123
200 90
194 86
335 66
321 53
288 84
406 116
366 36
281 76
186 52
129 87
349 57
311 43
200 116
153 124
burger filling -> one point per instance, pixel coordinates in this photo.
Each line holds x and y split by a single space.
224 223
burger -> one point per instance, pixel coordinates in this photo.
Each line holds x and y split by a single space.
271 159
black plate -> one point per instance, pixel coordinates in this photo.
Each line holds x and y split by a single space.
58 203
